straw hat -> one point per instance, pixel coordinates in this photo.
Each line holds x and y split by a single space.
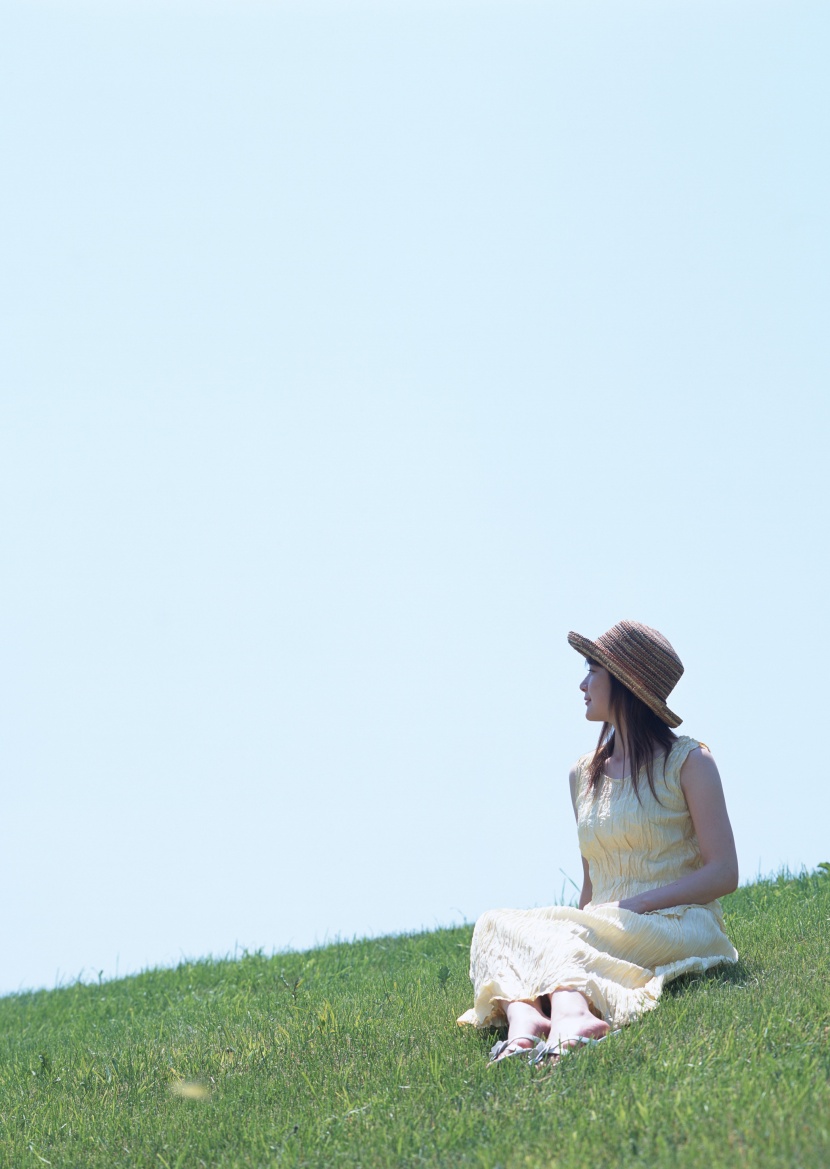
639 657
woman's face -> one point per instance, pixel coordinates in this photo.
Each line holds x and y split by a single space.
596 686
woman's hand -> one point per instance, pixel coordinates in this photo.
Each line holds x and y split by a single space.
632 904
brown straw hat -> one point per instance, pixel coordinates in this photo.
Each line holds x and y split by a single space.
641 659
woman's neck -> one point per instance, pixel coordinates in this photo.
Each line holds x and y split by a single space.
621 752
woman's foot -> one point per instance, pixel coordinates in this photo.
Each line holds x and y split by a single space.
524 1022
572 1019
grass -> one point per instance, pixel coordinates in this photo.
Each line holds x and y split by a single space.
350 1056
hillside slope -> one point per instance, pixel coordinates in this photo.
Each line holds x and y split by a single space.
350 1056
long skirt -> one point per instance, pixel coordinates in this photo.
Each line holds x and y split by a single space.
618 959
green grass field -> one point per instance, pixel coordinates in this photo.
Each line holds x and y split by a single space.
350 1056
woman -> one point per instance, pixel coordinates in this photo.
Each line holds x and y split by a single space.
657 852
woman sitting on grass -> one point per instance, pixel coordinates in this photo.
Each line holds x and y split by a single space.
657 852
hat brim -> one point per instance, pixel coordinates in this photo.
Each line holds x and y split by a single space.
590 649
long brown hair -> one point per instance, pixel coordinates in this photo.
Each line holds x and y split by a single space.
647 736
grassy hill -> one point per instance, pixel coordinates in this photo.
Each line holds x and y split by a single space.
350 1056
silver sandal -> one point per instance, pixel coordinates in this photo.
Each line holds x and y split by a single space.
497 1048
566 1045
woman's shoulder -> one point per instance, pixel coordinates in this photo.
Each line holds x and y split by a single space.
579 776
681 749
582 764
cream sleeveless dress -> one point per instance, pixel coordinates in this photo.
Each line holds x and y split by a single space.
618 959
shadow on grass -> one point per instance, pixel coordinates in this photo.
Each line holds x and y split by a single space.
731 974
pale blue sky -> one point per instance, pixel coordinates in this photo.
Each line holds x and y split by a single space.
353 354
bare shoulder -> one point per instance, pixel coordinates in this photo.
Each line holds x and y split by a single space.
699 769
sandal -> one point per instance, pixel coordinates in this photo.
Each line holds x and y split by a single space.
497 1048
556 1049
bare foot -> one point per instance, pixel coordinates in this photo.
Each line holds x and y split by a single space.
571 1017
523 1020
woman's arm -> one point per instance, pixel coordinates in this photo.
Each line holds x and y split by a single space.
718 873
587 891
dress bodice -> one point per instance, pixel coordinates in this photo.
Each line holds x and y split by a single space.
633 844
